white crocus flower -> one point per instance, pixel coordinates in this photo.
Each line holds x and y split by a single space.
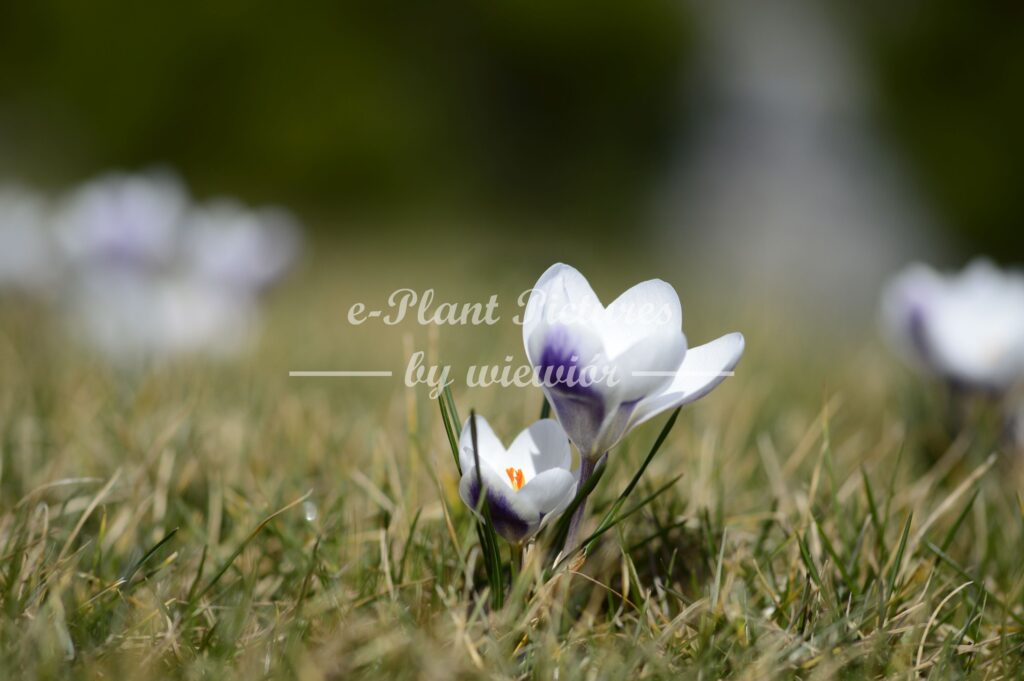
967 328
527 484
606 370
127 221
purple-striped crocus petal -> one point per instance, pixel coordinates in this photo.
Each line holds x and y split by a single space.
568 365
561 366
596 414
581 418
614 428
562 296
908 303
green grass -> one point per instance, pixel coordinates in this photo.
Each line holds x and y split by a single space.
229 522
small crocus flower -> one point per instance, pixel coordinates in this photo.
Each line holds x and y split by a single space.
527 484
967 328
606 370
125 221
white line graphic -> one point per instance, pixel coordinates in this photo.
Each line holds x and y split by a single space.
387 374
339 374
684 373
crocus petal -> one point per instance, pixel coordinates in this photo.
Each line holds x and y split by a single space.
703 369
616 424
581 416
550 493
515 516
647 367
905 305
565 359
541 447
558 330
491 449
561 289
561 352
648 308
642 333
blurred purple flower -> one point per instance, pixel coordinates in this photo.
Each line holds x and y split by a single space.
153 275
121 220
967 327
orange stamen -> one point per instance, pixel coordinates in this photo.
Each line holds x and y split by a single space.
515 476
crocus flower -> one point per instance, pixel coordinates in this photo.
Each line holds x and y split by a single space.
527 484
967 328
123 221
156 276
240 248
607 370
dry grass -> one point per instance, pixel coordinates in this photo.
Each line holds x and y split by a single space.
229 522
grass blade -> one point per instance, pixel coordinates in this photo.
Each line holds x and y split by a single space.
453 440
245 542
146 556
492 554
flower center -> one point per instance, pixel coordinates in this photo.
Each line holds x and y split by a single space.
515 476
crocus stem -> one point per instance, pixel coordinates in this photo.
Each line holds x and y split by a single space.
587 468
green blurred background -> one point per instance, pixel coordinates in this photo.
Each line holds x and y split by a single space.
350 107
523 115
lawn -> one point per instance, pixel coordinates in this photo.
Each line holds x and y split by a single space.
818 516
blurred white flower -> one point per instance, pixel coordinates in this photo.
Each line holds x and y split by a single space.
146 274
229 244
27 258
632 357
526 485
967 328
153 275
121 220
132 317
